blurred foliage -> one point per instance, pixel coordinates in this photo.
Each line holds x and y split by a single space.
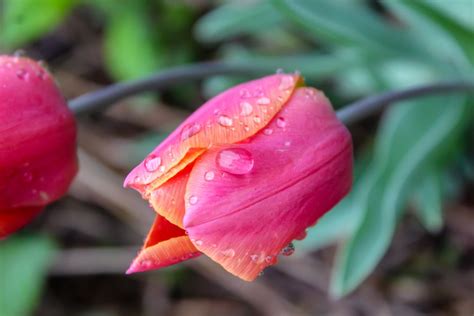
23 263
351 47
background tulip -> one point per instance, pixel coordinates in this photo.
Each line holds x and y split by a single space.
37 142
243 176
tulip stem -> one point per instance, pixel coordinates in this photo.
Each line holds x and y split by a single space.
360 109
100 99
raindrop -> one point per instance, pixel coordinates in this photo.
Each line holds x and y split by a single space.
235 161
268 259
228 253
254 258
286 83
193 199
288 250
198 242
209 176
281 123
244 93
268 131
225 121
263 101
246 108
246 128
257 119
152 163
190 130
22 74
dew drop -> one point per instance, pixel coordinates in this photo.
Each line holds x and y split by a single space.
152 163
235 161
263 101
209 176
245 94
288 250
286 83
246 128
245 108
280 122
228 253
198 242
22 74
268 259
268 131
193 199
257 119
225 121
190 130
254 258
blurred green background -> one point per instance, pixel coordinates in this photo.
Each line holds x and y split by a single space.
401 243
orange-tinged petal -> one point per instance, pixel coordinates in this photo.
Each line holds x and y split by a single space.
168 199
230 117
165 245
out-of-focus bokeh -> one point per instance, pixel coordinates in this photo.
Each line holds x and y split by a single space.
402 243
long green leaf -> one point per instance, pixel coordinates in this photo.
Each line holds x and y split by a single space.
413 136
23 263
343 23
429 201
25 20
237 18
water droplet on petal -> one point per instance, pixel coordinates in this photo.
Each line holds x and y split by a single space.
245 94
254 258
209 176
152 163
235 161
281 123
268 131
257 119
302 235
286 83
268 259
193 199
246 108
190 130
22 74
198 242
225 121
228 253
288 250
287 143
263 101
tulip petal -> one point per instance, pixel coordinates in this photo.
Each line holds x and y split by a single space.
13 219
230 117
271 188
165 245
168 199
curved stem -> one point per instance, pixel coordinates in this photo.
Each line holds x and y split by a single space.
98 100
360 109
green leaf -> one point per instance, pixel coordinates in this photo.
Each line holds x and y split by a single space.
23 264
22 21
429 202
238 18
413 136
351 23
130 48
436 29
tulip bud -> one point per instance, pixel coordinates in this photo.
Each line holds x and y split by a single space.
37 142
244 176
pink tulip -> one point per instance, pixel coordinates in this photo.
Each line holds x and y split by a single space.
243 176
37 142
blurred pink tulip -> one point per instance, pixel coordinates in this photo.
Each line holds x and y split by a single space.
243 176
37 142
